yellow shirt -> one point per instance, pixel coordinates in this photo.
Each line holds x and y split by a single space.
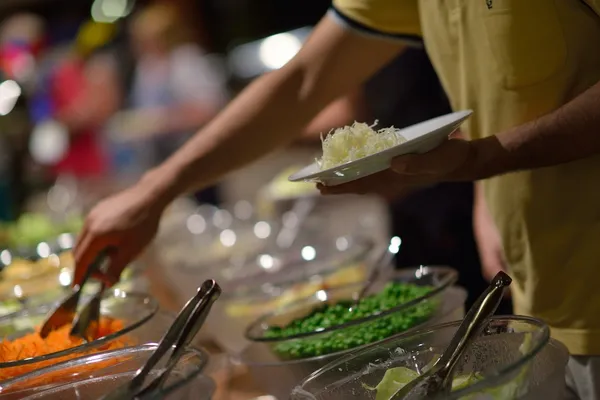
512 61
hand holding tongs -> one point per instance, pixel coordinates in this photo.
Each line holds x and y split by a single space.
66 312
187 324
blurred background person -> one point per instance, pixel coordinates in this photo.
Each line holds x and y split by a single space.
175 89
85 91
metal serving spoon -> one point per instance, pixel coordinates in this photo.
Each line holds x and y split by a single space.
438 380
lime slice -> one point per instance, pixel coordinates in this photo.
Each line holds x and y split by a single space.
393 380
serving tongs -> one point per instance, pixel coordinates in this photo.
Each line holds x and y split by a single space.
438 380
66 312
185 327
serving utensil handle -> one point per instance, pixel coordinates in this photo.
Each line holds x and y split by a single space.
474 321
211 291
173 334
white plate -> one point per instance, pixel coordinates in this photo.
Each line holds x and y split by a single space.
421 138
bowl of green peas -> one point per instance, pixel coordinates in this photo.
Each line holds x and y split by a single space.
294 340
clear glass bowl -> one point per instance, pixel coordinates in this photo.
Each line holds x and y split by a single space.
42 274
260 291
506 364
209 238
352 333
134 309
90 377
277 375
278 267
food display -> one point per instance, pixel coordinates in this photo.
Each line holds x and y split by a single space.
24 278
266 282
357 141
31 229
92 376
396 378
277 372
30 282
254 306
32 345
126 319
514 358
344 313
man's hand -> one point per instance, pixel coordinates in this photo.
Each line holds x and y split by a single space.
127 222
489 243
448 162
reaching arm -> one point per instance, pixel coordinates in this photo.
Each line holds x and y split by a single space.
274 109
570 133
341 112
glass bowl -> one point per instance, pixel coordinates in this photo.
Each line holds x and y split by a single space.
294 278
278 373
209 237
313 255
352 333
95 375
43 273
514 357
134 309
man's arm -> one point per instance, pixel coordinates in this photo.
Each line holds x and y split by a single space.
269 113
274 109
570 133
341 112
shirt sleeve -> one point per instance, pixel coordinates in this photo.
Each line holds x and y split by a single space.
390 19
594 5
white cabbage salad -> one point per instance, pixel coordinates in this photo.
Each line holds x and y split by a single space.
354 142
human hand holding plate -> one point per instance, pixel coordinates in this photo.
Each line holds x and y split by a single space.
359 151
447 162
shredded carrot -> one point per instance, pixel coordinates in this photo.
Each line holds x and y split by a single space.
32 345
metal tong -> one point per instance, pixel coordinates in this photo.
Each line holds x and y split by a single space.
185 327
66 312
438 380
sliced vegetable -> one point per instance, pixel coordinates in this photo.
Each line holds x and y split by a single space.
33 345
360 140
396 378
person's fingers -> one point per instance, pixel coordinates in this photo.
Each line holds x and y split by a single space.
438 161
88 249
119 260
81 237
418 164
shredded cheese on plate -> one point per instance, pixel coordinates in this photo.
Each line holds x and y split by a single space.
360 140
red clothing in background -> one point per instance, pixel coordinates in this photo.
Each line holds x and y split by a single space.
85 157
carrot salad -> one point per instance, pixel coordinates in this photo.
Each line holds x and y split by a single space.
32 345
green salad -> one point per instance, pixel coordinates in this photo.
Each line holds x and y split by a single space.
332 315
31 229
396 378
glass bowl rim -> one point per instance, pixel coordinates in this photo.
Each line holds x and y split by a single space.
449 275
153 307
190 349
244 291
514 366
